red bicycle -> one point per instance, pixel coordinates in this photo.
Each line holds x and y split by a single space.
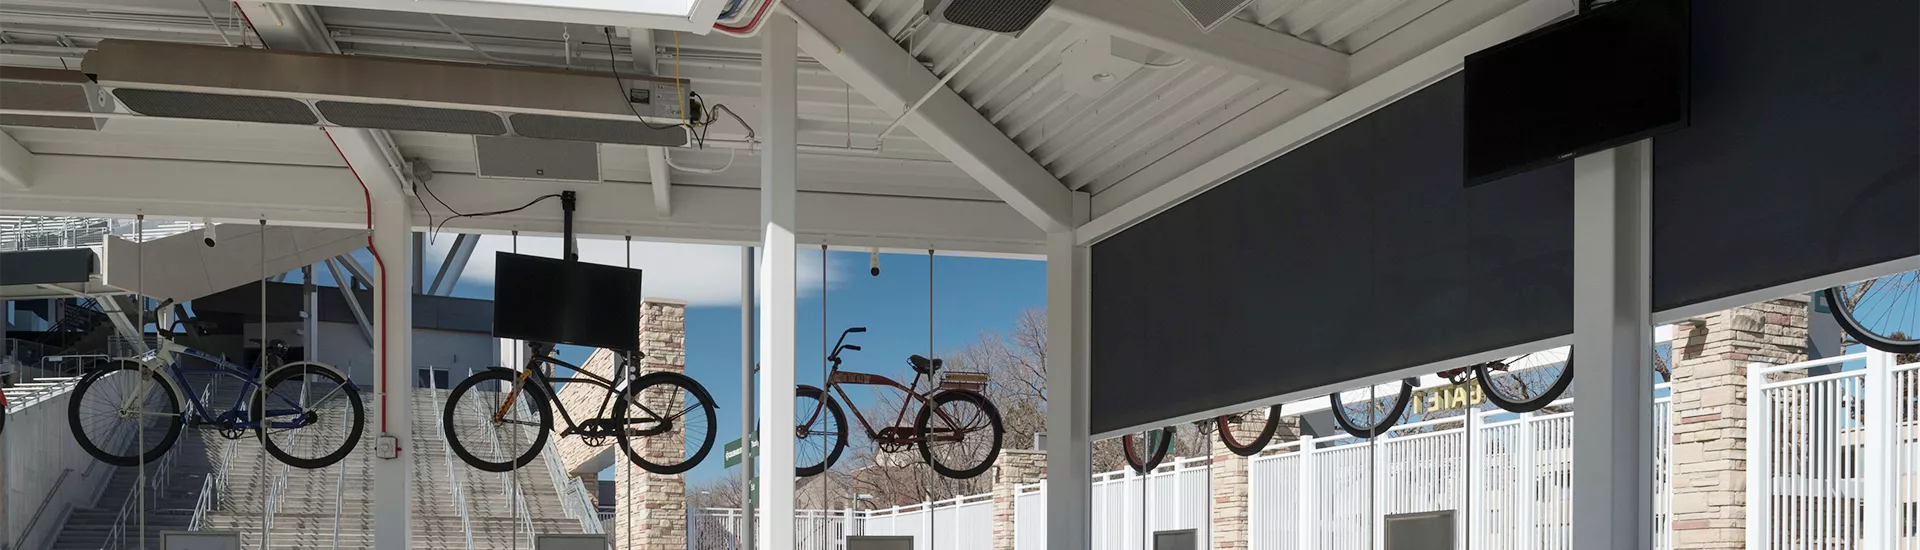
957 429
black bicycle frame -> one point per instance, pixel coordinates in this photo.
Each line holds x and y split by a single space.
533 370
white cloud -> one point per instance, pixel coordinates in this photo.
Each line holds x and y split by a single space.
701 274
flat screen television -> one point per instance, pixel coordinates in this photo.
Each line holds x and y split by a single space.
552 300
1609 77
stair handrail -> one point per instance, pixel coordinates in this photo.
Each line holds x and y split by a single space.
573 499
156 483
514 494
453 481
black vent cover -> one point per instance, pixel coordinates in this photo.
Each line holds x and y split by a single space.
1001 16
166 103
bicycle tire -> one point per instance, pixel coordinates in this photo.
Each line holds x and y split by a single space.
1386 423
1252 446
171 402
1156 449
1559 387
705 408
994 423
357 425
839 432
537 401
1864 335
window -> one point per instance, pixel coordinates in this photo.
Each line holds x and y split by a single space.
429 377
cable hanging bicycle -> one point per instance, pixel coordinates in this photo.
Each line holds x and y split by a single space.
489 415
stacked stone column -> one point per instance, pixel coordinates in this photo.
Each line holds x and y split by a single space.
1230 476
652 507
1015 467
1709 413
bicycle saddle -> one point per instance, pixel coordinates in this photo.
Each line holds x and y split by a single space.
925 366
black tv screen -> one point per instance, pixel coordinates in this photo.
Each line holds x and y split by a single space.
550 300
1611 76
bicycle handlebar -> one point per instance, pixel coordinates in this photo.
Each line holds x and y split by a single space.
842 343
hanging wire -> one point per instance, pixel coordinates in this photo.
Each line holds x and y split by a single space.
260 377
140 332
625 473
930 381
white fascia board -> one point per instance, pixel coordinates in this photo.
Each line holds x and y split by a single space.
324 196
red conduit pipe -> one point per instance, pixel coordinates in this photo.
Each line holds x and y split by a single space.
381 265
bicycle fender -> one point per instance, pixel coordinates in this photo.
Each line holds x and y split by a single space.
698 389
323 366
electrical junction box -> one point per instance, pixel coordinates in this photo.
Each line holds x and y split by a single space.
387 447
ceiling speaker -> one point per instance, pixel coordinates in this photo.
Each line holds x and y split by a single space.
1001 16
537 159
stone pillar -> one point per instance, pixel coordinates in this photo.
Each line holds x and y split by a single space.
653 508
1015 467
1709 413
1230 487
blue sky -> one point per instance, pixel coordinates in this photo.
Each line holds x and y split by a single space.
971 296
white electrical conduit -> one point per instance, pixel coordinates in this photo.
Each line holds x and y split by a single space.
489 57
937 86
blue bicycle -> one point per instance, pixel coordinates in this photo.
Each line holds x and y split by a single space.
306 414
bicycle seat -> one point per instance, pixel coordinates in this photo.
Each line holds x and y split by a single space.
925 366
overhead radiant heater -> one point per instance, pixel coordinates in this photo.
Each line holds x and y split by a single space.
281 87
1001 16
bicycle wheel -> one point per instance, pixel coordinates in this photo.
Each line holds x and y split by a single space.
1528 382
1144 451
491 427
308 415
1248 445
963 440
1366 415
673 417
1883 313
821 429
125 415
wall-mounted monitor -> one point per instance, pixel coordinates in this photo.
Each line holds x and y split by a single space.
552 300
1611 76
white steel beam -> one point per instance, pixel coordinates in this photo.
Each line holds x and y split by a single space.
1069 449
1240 47
661 181
329 197
848 44
16 163
454 265
779 94
1613 344
385 195
353 303
1406 78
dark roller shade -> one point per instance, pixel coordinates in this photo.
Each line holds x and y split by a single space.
1357 254
1802 157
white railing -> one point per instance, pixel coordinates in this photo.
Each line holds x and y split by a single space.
960 523
49 232
154 484
1507 476
574 499
1833 454
453 475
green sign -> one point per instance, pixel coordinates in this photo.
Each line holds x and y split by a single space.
732 451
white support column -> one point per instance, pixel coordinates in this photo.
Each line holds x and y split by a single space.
1069 452
1882 498
390 415
779 95
1613 344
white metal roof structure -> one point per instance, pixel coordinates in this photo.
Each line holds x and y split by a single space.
873 125
1207 105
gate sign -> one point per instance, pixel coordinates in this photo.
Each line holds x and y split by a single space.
1448 397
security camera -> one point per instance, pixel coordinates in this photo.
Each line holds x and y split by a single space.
873 262
206 233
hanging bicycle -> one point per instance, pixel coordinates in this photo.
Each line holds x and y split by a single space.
1144 451
1519 384
663 421
1881 313
958 430
306 414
